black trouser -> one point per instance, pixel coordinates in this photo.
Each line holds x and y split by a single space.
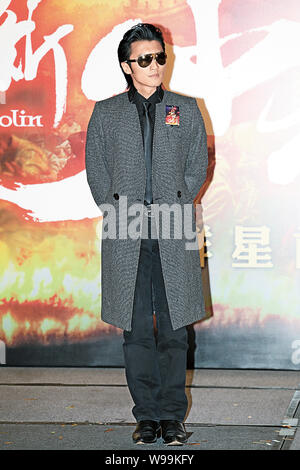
155 366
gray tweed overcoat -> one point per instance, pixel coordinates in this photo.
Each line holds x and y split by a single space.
115 167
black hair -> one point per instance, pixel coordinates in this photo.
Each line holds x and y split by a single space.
139 32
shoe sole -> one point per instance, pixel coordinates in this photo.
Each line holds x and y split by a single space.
145 443
174 443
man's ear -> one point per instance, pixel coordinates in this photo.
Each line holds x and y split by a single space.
126 68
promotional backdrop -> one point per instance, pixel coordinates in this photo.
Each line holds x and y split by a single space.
240 59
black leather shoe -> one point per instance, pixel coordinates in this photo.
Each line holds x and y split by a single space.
146 432
173 432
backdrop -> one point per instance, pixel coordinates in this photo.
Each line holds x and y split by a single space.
240 59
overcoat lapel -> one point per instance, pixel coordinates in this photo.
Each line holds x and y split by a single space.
131 122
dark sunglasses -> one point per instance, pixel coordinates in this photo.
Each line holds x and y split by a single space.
145 60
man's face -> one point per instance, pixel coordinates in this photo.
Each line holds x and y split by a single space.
149 77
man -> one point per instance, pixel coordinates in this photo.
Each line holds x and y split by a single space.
133 152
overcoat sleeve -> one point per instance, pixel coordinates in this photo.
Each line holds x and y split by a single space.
197 159
97 170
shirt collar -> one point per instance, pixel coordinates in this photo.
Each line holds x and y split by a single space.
132 91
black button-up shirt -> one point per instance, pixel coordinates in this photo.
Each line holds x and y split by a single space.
135 97
138 99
